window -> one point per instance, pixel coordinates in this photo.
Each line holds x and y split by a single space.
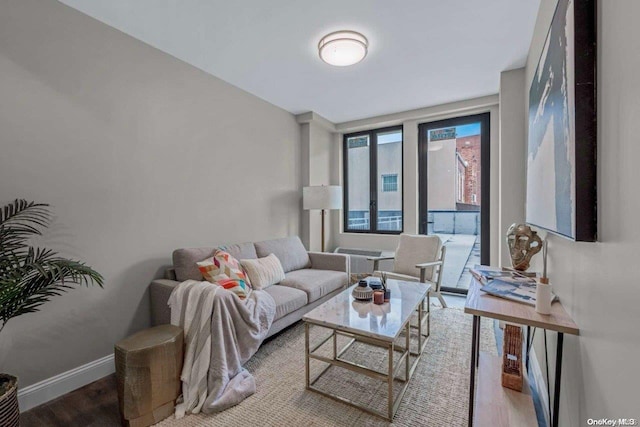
390 182
461 172
373 181
357 142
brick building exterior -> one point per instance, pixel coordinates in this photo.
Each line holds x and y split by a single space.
469 149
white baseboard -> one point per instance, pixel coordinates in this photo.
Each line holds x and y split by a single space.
539 383
46 390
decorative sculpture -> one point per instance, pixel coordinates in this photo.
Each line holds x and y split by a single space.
523 243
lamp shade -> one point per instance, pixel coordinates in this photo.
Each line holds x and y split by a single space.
322 197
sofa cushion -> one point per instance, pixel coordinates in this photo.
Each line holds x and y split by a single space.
289 250
185 259
241 250
263 272
184 262
287 299
316 283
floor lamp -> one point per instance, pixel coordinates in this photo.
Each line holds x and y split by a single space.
322 197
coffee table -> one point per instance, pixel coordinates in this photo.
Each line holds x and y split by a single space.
363 322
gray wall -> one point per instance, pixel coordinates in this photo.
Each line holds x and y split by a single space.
512 180
316 142
139 154
597 282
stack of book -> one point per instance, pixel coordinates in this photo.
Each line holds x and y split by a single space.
509 284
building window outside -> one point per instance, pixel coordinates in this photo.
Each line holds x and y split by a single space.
358 142
461 172
372 204
390 183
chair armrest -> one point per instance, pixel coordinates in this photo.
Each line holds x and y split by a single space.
159 293
380 258
376 260
428 264
423 268
329 261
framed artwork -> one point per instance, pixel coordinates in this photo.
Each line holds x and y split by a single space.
561 151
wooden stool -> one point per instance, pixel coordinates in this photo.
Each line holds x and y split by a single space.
148 368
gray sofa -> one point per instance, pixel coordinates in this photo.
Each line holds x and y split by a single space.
311 278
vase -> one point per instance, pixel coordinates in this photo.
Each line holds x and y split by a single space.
9 411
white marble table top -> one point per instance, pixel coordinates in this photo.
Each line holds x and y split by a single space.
383 322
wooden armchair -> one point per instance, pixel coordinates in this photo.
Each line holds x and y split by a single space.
417 258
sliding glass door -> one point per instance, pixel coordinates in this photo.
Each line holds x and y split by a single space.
454 193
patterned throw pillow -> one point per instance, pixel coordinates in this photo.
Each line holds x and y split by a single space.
224 270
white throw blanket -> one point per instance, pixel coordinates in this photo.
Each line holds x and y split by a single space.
221 333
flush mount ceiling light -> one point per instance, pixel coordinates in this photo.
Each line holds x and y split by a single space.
343 48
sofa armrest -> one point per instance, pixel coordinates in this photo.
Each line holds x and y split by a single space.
159 292
329 261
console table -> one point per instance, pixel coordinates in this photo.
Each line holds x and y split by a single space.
496 405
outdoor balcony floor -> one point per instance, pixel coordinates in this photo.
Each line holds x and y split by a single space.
463 252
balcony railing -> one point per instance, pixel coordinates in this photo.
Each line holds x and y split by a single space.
453 222
386 223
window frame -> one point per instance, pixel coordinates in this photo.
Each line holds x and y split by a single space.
373 180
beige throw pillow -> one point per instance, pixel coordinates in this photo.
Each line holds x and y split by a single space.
263 272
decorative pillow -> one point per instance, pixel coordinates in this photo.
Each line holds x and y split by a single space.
263 272
224 270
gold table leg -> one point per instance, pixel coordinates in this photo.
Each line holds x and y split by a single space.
306 354
389 376
408 345
390 383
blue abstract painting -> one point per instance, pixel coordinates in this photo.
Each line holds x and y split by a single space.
551 169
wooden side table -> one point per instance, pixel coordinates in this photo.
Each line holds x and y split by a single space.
148 368
497 406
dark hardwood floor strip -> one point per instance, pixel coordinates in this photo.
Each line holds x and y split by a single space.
95 405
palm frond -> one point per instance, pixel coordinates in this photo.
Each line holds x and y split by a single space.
20 221
22 211
30 277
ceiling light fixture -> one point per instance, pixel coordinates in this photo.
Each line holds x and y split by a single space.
343 48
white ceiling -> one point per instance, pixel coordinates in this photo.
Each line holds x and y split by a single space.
422 52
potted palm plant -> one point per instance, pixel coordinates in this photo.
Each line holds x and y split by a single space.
29 277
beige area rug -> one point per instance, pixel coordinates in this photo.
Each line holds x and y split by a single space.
437 395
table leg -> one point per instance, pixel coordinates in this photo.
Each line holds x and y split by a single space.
335 345
429 316
390 383
526 362
472 380
478 342
420 329
306 354
408 350
556 387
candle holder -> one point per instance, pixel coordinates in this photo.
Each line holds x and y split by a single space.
378 297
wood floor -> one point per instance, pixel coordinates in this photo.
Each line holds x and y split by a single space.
95 405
